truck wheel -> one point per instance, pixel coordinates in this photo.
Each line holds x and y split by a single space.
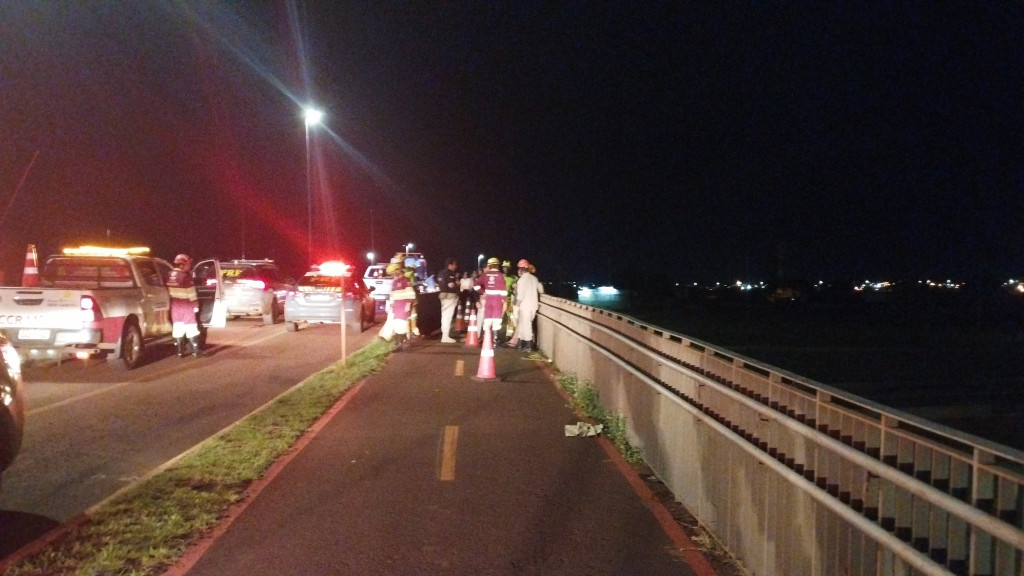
274 316
131 348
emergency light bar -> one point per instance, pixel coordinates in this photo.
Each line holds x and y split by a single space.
335 268
105 251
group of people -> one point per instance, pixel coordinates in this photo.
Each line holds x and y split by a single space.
509 303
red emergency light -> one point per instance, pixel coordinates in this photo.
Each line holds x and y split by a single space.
335 268
254 284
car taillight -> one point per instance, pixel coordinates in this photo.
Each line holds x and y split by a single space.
88 309
254 284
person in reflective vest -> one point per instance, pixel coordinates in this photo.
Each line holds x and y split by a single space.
400 304
508 319
184 307
495 294
410 274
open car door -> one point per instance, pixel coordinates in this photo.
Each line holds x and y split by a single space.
213 312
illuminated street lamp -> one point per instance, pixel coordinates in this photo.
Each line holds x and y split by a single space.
369 256
479 259
408 247
312 117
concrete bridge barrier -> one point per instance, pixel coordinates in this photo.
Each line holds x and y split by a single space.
796 477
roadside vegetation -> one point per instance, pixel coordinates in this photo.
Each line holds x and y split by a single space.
586 401
146 529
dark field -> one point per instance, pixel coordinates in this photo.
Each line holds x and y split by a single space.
954 360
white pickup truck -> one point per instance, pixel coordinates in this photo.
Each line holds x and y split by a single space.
101 302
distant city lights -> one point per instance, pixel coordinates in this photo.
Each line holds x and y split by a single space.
587 292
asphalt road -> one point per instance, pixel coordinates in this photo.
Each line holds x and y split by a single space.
423 470
92 430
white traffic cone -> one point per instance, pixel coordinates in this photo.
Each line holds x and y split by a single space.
485 372
473 332
30 277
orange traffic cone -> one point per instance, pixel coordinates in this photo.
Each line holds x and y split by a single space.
473 332
460 318
30 277
485 373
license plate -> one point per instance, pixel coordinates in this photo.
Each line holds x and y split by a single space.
319 298
33 334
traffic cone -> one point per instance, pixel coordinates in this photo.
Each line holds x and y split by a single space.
460 319
30 277
485 372
473 332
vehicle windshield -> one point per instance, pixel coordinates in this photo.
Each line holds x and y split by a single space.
87 272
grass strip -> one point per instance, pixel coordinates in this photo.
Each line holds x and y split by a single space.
587 402
148 528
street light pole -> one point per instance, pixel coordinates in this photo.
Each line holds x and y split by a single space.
479 259
344 346
312 117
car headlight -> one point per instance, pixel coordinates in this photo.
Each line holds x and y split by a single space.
13 362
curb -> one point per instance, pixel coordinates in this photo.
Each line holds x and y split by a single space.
687 549
196 550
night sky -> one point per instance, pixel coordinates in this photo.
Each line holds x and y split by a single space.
600 140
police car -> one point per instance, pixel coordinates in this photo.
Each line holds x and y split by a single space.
320 294
255 289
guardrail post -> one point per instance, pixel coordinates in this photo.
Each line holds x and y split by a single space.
1007 500
983 498
959 533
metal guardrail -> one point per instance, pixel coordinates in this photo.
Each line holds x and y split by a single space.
794 476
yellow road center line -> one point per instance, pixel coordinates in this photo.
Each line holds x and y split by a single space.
460 367
451 439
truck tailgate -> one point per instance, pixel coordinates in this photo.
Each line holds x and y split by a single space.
40 308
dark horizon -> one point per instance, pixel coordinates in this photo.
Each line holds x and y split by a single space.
595 139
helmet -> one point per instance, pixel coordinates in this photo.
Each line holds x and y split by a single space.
492 261
182 259
393 267
505 263
523 264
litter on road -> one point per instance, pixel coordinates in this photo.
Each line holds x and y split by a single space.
583 429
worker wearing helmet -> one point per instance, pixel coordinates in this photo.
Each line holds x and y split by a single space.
508 319
527 301
410 274
400 304
184 307
492 282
